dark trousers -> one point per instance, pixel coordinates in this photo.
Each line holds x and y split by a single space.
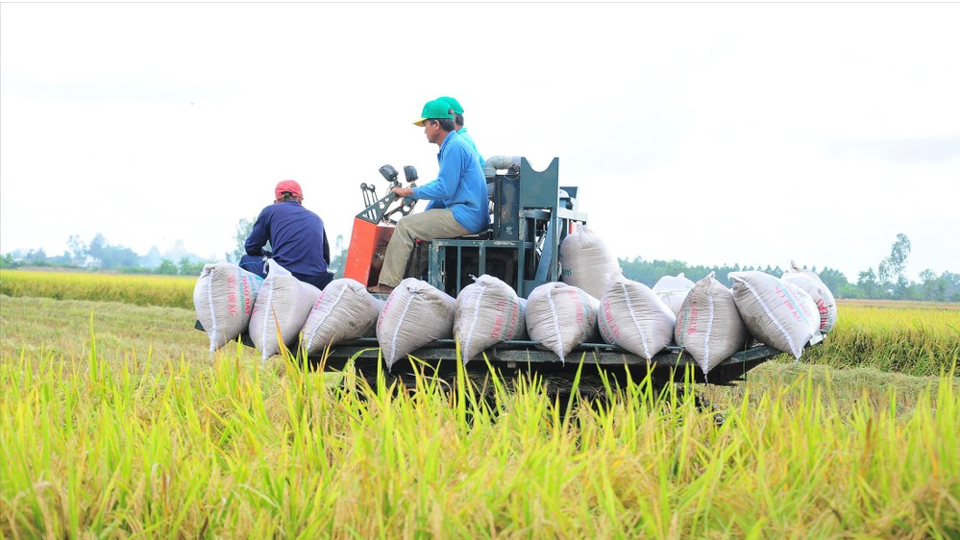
255 264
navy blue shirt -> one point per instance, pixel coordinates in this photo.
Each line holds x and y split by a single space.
296 236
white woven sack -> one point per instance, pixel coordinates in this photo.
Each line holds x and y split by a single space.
344 311
709 326
673 290
776 312
284 302
586 262
560 317
416 313
522 331
634 318
817 289
224 297
488 312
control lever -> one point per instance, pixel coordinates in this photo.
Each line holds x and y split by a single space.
381 210
369 193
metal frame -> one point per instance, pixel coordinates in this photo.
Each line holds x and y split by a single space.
511 354
538 208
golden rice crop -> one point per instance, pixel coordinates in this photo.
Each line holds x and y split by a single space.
106 448
101 441
167 291
916 341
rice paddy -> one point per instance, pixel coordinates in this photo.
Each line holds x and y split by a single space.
115 422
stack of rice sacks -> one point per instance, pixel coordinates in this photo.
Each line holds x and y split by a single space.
634 318
709 326
777 312
488 312
283 304
416 313
561 317
345 311
224 297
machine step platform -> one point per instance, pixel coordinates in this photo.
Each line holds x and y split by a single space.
527 355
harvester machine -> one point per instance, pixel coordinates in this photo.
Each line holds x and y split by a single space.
531 215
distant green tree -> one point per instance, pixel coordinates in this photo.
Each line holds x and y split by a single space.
78 249
833 279
891 269
111 257
338 258
240 235
7 261
188 268
167 267
60 260
868 285
97 245
36 257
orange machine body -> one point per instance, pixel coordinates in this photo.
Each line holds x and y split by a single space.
368 245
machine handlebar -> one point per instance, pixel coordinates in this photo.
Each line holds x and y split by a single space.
383 209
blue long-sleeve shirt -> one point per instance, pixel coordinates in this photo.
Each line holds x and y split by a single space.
462 132
296 236
460 185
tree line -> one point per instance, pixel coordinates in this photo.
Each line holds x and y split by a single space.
102 255
888 281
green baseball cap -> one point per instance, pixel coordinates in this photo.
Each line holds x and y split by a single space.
454 104
434 109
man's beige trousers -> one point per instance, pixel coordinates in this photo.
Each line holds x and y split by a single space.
427 225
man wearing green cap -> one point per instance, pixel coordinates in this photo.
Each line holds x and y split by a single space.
458 123
459 196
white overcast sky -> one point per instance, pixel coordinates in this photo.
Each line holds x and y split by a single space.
708 133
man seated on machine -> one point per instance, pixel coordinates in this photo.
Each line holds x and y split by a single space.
297 238
461 130
459 196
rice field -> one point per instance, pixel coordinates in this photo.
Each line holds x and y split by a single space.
166 291
115 422
917 338
917 341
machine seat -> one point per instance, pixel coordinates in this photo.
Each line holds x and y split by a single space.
484 235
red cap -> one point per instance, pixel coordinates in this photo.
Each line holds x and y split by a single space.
288 185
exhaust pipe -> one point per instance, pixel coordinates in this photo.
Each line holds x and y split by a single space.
495 163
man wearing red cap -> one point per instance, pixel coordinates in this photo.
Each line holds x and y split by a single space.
297 238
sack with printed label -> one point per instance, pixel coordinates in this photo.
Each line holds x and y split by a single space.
522 333
488 312
561 317
822 297
634 318
283 304
586 262
673 290
709 326
416 313
345 311
776 312
224 297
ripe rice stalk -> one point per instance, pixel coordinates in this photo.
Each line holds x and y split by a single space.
110 446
